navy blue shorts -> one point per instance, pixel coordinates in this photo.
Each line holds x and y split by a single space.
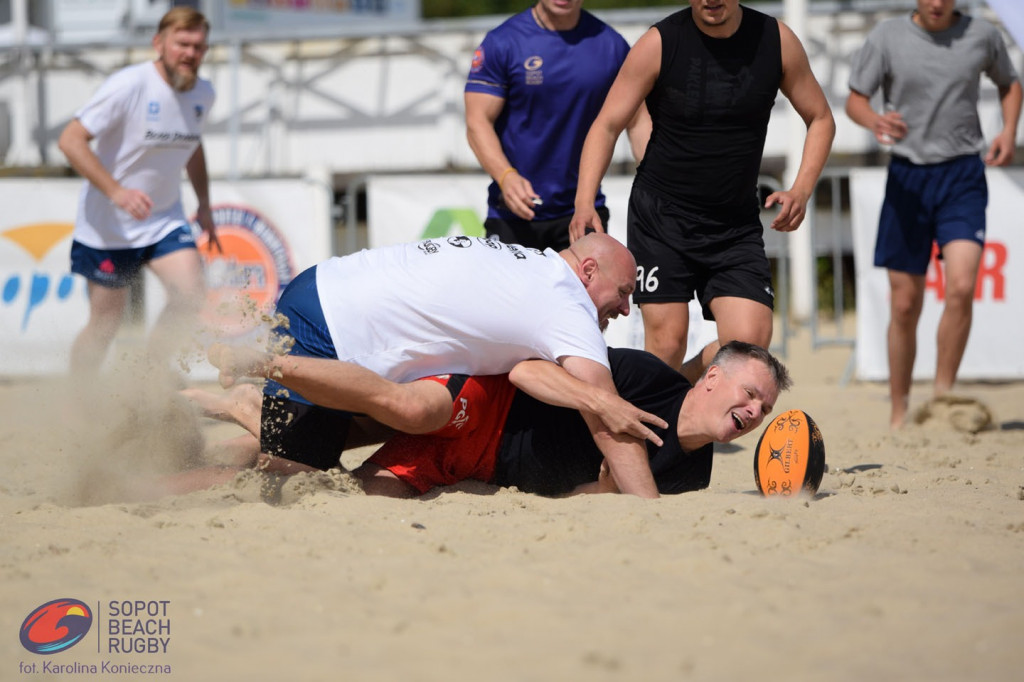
679 253
923 204
116 268
291 426
305 333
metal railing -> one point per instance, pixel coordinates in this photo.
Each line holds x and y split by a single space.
831 236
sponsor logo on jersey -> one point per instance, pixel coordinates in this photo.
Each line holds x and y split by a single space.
462 416
534 75
515 249
428 247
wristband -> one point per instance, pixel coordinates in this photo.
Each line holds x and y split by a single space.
504 173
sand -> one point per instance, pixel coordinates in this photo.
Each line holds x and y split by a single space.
907 565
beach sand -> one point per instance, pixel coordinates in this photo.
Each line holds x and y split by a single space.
907 565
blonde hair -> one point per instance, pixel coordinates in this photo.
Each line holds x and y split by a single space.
183 18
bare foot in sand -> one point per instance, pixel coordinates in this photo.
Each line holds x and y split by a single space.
236 361
241 405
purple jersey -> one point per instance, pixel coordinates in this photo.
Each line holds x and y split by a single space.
553 84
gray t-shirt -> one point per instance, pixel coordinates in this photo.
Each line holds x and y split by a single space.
933 80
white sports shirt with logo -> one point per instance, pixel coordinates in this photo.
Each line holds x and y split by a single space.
145 132
456 305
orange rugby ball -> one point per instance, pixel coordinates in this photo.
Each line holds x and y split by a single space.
790 456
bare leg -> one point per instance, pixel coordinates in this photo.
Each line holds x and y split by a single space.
240 405
181 274
239 452
961 259
415 407
737 319
665 328
379 481
106 310
907 297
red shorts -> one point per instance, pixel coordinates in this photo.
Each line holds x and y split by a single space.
465 448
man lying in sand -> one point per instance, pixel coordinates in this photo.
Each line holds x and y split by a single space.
456 305
506 437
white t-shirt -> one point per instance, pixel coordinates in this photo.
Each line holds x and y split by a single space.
145 132
459 305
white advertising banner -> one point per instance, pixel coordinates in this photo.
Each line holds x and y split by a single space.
993 349
269 230
42 306
404 208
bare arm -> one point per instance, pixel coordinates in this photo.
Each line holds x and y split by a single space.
1000 153
886 128
550 383
621 106
74 143
197 175
626 456
482 110
803 91
639 132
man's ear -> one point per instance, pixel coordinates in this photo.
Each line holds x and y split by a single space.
588 266
711 377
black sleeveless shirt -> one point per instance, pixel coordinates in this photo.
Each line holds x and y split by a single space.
710 107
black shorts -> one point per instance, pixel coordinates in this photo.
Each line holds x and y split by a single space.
315 435
679 253
304 433
537 234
